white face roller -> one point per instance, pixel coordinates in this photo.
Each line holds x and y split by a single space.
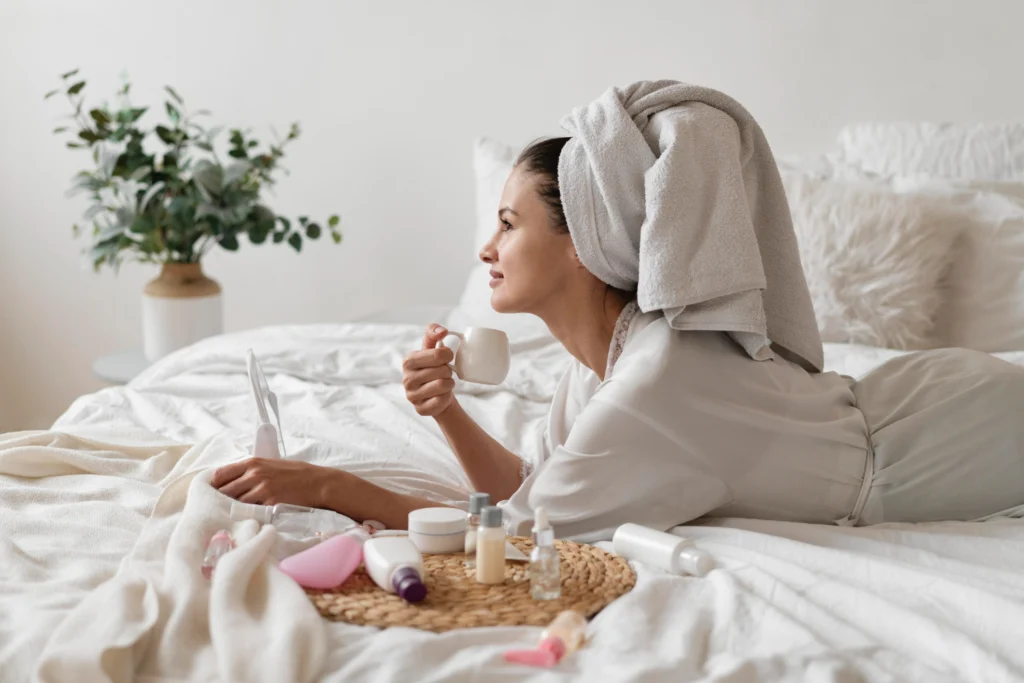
269 442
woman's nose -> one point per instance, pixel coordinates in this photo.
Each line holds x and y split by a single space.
489 254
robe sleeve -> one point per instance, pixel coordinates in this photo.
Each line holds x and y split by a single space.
617 466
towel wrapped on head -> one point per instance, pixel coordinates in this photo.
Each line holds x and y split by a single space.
671 190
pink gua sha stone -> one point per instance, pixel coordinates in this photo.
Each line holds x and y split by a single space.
326 564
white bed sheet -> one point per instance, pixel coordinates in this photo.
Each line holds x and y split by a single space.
930 602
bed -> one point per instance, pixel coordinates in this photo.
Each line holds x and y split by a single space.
105 515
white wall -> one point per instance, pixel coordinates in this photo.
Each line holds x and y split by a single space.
391 95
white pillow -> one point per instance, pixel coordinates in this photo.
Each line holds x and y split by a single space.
492 164
984 305
983 151
873 259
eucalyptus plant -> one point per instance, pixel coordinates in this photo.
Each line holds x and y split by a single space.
162 193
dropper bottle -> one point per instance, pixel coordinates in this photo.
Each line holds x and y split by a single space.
545 577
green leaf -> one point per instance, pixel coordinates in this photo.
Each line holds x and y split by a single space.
333 221
205 146
229 242
173 113
209 175
303 220
238 154
100 117
279 237
313 231
286 224
174 94
75 145
69 74
295 241
130 115
251 143
61 129
235 171
50 94
142 225
76 88
166 135
258 233
89 136
336 236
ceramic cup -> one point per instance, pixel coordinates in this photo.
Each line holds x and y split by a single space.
482 355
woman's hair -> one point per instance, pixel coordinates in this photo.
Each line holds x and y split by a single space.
541 159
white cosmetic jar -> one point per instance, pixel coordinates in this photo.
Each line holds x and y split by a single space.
438 530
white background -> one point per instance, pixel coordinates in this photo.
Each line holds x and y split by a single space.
390 96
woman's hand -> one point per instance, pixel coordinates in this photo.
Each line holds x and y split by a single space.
264 481
426 376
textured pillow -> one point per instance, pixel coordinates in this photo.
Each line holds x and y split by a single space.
492 164
983 308
874 259
981 151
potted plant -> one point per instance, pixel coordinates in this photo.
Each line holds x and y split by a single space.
167 194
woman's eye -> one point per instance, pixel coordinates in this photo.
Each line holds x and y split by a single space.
505 225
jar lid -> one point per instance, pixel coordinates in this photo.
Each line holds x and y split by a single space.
437 521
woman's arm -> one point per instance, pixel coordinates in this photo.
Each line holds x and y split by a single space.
263 481
429 386
361 500
491 467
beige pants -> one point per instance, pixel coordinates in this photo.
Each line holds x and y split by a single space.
947 427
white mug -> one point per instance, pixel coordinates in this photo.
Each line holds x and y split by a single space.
483 355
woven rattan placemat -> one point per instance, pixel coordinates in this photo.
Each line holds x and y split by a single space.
591 579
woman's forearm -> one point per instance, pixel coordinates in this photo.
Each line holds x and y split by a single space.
361 500
491 467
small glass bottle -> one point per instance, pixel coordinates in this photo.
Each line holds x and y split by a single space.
294 520
219 546
490 547
477 502
545 577
563 636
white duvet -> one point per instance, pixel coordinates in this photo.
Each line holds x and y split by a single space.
104 517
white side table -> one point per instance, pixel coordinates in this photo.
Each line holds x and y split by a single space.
120 368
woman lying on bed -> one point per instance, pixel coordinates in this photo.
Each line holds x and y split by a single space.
656 244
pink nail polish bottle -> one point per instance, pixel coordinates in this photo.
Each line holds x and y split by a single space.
329 563
563 636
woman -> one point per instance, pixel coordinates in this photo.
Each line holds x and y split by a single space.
695 405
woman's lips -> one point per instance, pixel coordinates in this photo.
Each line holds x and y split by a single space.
496 278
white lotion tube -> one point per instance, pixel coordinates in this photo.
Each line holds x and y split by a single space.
662 550
396 565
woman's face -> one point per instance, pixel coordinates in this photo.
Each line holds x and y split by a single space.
531 261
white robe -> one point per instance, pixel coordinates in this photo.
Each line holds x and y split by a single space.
686 425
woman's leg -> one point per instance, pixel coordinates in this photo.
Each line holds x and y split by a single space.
947 428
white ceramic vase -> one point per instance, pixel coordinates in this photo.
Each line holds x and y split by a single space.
179 308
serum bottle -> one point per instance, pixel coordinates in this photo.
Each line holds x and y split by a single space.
545 577
490 547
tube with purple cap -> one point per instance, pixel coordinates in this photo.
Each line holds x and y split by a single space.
396 565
